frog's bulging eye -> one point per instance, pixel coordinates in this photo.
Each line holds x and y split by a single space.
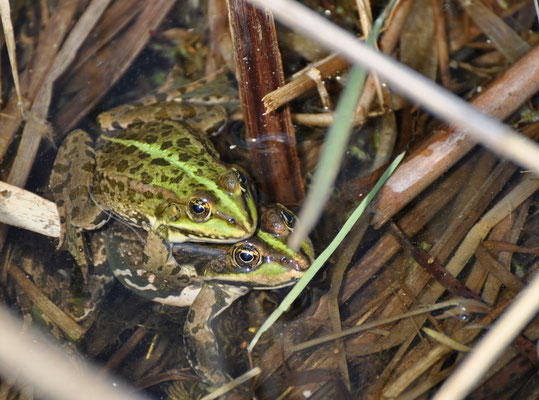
246 256
199 209
242 179
173 212
289 218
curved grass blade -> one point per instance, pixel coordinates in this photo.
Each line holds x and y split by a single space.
335 144
322 258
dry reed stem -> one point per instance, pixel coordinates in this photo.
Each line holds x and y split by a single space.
490 132
504 38
508 326
327 67
49 42
5 13
35 127
448 145
430 356
26 210
270 136
418 279
116 59
47 307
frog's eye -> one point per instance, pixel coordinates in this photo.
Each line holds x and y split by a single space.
199 209
288 218
173 212
242 179
246 256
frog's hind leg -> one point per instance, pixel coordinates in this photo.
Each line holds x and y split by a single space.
70 182
199 338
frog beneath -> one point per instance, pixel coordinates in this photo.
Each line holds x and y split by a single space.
157 170
208 278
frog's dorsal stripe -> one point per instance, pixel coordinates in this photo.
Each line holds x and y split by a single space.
276 244
209 184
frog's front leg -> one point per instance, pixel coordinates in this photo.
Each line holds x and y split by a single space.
70 182
200 341
143 263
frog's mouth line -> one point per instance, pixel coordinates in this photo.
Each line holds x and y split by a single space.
251 285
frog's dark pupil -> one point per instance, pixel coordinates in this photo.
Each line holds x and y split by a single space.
246 256
198 208
289 218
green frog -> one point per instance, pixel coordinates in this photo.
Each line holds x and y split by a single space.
157 170
208 278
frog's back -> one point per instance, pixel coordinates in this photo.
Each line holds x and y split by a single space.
151 165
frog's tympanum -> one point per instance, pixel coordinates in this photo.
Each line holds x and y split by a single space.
158 171
208 278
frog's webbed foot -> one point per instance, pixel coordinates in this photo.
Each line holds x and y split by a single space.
199 338
70 180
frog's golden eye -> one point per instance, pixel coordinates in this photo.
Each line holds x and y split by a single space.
288 218
199 209
173 211
242 179
246 256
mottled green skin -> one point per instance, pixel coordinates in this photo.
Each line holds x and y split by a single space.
149 173
148 167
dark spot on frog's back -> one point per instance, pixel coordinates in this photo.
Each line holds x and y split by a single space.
105 163
122 166
136 169
160 161
60 168
183 157
183 142
146 178
75 211
129 149
167 144
176 179
166 132
150 139
109 148
88 167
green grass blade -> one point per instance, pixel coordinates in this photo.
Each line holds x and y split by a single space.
322 258
335 144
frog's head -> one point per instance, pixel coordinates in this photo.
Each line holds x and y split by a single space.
221 210
264 260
